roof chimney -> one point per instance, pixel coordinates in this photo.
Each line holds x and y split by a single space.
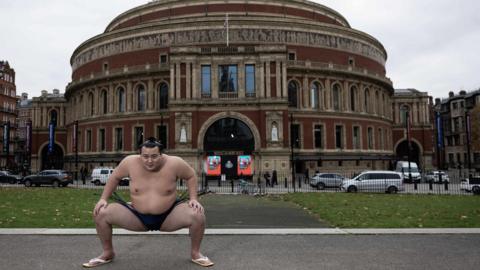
463 93
44 93
437 101
451 94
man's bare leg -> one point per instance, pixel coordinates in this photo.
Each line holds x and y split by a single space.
183 216
114 214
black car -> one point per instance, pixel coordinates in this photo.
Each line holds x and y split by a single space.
8 177
53 178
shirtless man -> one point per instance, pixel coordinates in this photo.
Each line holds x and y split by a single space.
153 204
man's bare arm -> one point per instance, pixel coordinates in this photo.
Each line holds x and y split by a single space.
119 172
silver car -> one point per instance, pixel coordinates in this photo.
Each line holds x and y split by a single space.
434 176
375 181
323 180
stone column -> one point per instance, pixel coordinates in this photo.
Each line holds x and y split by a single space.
262 80
241 80
346 95
188 81
268 80
327 94
172 82
111 98
178 84
128 97
284 80
305 93
196 88
149 95
214 83
278 79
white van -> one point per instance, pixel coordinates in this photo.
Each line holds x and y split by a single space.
100 175
402 168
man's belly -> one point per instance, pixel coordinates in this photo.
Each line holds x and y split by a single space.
149 204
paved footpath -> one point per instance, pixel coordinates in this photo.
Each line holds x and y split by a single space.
245 233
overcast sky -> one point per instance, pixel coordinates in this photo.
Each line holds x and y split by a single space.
432 45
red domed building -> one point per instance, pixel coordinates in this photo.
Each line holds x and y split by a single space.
230 86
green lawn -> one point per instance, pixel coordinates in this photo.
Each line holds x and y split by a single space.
47 207
346 210
72 208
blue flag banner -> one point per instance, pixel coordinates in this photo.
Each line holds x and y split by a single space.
51 137
28 146
6 137
438 120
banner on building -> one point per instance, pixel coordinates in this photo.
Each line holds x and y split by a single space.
6 137
244 165
28 135
51 137
213 166
438 120
74 136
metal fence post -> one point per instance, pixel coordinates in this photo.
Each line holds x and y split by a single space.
286 184
231 181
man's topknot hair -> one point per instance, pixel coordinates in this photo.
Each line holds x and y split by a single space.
151 142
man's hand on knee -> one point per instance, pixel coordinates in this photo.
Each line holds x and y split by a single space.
195 205
100 204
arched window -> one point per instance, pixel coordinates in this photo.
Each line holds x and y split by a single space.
90 103
53 117
292 94
104 102
367 100
314 95
121 99
163 95
404 109
353 98
336 96
141 98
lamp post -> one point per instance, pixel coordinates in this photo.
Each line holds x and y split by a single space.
468 131
292 140
408 145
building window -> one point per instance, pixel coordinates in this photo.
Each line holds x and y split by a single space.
339 137
118 139
141 98
228 78
206 81
314 95
292 56
318 133
121 99
90 103
89 140
295 133
336 95
162 135
138 136
250 80
353 98
102 139
292 94
163 95
380 137
163 59
356 137
370 138
104 102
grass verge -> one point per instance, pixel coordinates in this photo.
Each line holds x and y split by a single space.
346 210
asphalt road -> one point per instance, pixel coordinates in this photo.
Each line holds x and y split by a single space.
19 252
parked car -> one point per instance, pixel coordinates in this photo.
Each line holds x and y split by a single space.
100 176
414 172
471 185
374 181
8 177
54 178
323 180
434 176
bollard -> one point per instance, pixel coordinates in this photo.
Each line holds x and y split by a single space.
430 185
299 183
446 185
219 182
415 186
181 182
231 181
286 185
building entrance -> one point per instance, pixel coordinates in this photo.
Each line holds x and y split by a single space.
53 160
229 145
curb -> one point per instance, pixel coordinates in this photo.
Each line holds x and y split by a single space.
276 231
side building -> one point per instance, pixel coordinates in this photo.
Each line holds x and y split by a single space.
8 116
454 112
